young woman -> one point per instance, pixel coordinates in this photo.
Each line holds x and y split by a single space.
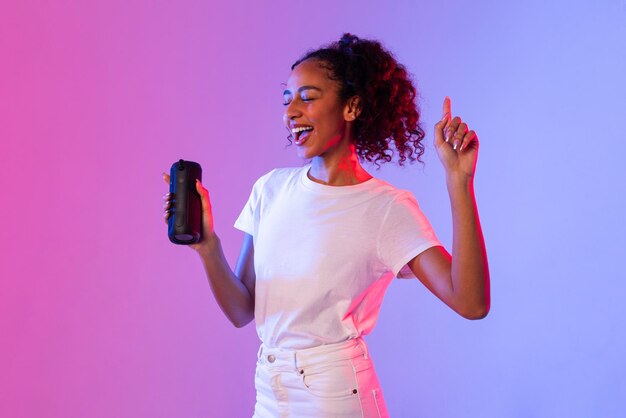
323 241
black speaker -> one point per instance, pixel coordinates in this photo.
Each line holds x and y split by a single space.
185 221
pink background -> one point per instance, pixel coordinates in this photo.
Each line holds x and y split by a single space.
101 316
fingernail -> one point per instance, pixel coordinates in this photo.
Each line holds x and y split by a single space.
456 143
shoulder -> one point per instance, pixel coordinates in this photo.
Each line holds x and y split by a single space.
392 196
397 207
284 173
277 177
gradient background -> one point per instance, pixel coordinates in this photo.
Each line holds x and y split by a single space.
101 316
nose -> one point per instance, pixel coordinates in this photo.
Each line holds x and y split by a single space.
291 112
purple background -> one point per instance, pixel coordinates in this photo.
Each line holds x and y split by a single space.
101 316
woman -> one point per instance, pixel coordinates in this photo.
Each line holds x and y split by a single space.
323 241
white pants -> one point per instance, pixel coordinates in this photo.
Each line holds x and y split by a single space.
333 380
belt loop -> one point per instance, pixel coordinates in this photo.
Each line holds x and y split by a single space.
363 345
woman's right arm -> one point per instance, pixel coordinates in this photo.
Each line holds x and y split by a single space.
234 292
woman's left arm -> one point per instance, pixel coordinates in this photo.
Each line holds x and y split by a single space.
462 280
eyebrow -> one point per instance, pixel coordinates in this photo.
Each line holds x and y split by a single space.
303 88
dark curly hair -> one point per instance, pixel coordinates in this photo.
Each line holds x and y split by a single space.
388 111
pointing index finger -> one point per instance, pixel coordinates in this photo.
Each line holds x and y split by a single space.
447 107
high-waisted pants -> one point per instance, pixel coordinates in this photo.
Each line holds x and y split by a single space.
333 380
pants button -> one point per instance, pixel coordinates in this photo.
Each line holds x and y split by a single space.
271 358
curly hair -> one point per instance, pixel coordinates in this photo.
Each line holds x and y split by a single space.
388 111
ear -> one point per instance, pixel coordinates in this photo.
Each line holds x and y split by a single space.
352 109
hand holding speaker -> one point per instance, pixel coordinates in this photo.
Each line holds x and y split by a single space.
187 207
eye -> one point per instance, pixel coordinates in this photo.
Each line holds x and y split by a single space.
306 96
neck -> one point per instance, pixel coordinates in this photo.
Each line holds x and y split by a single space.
339 169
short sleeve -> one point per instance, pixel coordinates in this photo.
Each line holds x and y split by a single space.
248 218
405 232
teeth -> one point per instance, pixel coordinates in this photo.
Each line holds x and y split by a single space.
300 129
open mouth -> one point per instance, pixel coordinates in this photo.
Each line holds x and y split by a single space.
301 134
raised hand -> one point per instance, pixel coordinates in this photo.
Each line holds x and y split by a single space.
456 145
207 215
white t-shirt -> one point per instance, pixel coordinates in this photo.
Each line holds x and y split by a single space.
324 255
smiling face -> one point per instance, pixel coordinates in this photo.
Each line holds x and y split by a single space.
316 118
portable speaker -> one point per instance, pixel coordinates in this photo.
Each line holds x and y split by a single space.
185 221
